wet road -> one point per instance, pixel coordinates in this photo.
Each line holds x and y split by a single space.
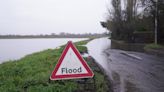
128 71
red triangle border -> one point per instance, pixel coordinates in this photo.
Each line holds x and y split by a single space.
53 76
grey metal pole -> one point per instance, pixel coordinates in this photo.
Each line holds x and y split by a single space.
156 22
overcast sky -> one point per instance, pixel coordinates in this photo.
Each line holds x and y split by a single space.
51 16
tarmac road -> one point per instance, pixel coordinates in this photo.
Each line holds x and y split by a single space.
128 71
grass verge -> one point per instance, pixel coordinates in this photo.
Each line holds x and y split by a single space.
154 46
31 74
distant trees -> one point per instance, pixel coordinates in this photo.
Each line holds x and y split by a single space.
54 35
132 16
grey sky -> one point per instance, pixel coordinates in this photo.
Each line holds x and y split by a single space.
51 16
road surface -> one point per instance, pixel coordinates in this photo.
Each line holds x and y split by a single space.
128 71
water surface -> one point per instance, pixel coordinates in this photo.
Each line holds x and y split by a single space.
12 49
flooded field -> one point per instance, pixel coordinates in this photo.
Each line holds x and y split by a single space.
11 49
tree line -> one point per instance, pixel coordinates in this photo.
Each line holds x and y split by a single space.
129 18
54 35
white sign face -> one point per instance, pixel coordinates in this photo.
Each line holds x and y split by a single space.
71 64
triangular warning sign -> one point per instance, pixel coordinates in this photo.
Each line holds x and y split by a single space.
71 65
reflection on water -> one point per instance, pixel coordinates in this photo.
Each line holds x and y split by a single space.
11 49
96 48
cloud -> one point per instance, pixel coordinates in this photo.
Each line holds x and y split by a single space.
51 16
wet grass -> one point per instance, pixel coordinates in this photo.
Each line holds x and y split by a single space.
154 46
82 42
31 74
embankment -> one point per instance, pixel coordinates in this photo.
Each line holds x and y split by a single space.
31 74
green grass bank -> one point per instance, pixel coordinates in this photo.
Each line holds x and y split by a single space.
32 72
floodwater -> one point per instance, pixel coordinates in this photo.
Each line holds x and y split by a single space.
96 49
13 49
128 71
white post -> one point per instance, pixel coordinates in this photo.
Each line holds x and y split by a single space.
156 22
